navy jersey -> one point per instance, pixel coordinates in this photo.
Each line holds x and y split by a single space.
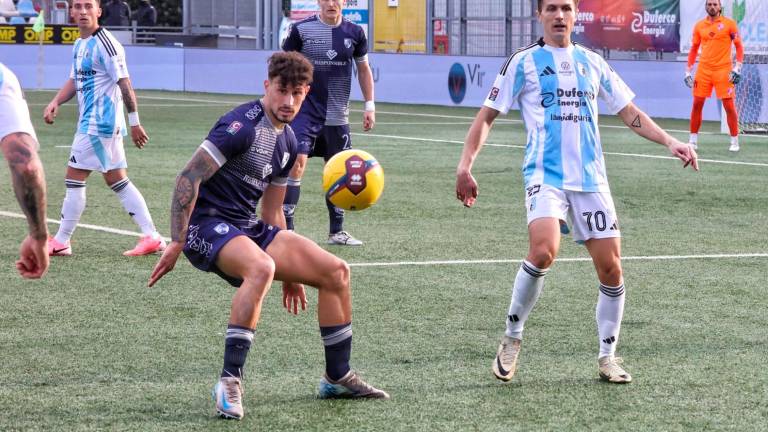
331 49
251 154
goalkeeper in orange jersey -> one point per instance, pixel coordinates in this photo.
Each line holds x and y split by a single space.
715 34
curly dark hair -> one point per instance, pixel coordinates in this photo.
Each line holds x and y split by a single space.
292 68
575 4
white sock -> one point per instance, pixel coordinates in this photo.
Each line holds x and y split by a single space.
133 202
528 285
694 138
609 311
71 209
735 140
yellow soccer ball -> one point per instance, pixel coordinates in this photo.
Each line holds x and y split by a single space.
353 180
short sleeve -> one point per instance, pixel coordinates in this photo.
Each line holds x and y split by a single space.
361 48
293 41
613 91
116 65
508 85
227 139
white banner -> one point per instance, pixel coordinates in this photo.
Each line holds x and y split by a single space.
750 15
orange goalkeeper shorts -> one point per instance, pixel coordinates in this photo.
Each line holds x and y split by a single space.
706 79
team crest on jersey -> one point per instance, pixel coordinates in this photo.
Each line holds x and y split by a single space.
720 26
331 54
283 162
494 94
221 228
267 170
582 69
234 127
347 43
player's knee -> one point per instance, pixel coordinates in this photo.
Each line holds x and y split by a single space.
611 275
337 278
541 257
260 272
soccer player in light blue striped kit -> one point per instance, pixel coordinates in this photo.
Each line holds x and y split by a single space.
99 78
556 83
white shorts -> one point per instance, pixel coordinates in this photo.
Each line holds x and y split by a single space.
591 214
95 153
14 116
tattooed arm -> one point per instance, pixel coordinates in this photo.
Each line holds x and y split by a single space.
199 169
29 185
138 135
641 124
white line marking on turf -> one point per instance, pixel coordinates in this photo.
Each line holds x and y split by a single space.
758 164
443 262
82 225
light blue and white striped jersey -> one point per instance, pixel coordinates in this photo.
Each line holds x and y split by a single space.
98 62
557 90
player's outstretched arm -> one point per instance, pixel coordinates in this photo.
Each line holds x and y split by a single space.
365 78
65 93
29 185
641 124
466 185
138 135
199 169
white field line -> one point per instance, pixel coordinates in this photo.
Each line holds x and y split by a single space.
758 164
443 262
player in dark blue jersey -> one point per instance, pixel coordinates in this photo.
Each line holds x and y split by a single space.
332 44
244 161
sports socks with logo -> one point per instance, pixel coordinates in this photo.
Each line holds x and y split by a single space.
335 216
71 209
338 347
608 312
236 345
133 203
528 285
291 200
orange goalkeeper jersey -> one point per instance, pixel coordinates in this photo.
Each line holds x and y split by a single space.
715 38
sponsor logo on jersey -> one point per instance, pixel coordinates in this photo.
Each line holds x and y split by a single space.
252 113
266 171
221 228
547 72
331 54
314 41
234 127
494 94
572 97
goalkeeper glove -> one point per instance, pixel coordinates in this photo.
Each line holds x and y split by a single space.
734 77
688 80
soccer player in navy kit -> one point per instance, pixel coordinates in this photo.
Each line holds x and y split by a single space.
331 43
245 160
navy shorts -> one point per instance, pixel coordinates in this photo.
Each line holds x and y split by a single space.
320 140
207 235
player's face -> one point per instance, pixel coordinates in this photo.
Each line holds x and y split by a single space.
283 101
330 10
557 17
713 8
86 14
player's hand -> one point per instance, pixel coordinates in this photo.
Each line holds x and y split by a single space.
138 136
33 258
685 153
50 112
734 77
369 120
293 293
466 188
688 80
167 262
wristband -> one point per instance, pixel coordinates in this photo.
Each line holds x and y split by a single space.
133 119
370 105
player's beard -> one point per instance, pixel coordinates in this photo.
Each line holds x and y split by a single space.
716 12
284 117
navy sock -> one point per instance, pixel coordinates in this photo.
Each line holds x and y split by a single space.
236 345
291 200
335 216
338 347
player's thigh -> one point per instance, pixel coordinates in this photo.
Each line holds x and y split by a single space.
298 259
703 83
336 139
546 212
593 215
724 88
241 258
